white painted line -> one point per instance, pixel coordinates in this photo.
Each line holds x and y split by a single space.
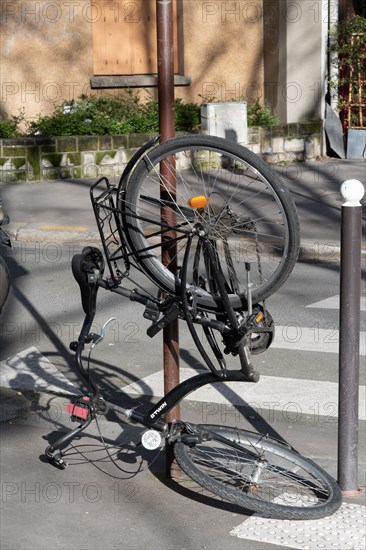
321 340
333 303
344 530
293 397
29 370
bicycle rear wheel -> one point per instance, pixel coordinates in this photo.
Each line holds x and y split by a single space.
240 202
259 473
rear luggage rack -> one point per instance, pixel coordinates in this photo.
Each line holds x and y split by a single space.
109 226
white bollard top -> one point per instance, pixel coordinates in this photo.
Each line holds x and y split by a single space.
352 191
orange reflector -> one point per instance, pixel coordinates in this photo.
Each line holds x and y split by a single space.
259 317
200 201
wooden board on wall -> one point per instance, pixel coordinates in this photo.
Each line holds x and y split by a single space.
124 37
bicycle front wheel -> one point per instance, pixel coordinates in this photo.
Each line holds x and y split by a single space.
203 183
259 473
4 280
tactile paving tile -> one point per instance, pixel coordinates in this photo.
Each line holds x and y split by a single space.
344 530
361 545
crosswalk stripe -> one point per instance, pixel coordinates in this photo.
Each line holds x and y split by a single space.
29 370
32 371
321 340
333 303
293 397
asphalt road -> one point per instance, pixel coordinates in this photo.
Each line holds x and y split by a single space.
44 311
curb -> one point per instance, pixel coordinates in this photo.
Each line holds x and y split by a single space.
27 233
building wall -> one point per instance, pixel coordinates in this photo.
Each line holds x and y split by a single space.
295 38
46 50
223 49
45 54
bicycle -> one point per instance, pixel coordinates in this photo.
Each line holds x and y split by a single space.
234 232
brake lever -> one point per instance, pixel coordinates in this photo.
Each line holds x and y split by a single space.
97 338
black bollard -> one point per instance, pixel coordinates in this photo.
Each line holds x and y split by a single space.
349 336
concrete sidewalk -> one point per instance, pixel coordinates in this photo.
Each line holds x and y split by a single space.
96 504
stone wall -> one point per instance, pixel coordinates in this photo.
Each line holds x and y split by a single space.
288 142
81 157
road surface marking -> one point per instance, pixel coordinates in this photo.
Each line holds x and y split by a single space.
333 303
32 371
29 370
292 397
62 228
298 338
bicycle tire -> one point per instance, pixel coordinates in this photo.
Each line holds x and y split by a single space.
4 280
251 215
290 486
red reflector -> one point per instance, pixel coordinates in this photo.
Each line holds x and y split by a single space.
79 412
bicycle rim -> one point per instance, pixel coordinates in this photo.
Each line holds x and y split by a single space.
259 473
249 216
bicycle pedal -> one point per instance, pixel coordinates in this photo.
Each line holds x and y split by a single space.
254 321
80 410
262 335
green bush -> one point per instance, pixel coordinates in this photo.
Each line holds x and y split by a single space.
187 116
260 115
8 128
128 114
91 115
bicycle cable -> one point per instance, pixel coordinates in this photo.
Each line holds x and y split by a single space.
94 413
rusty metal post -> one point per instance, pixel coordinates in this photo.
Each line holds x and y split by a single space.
349 336
164 18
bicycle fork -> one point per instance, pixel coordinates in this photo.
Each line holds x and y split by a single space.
237 337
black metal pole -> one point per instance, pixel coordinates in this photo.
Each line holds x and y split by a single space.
349 336
164 18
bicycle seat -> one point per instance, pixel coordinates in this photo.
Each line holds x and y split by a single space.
87 268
